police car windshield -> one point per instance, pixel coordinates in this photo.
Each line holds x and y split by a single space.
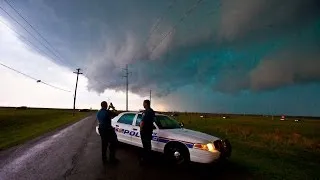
165 122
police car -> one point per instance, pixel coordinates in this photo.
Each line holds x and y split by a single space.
178 144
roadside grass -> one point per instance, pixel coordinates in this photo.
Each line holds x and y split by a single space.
19 126
268 149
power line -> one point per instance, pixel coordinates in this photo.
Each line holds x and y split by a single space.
39 50
186 14
19 72
146 40
31 26
30 33
20 36
160 19
155 26
54 86
34 46
37 80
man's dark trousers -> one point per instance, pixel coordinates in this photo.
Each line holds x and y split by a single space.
146 137
108 137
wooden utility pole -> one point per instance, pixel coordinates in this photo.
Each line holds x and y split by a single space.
127 84
75 91
150 97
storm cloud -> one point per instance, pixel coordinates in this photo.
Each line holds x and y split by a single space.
179 48
198 47
286 70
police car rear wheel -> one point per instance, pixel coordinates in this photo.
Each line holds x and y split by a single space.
177 154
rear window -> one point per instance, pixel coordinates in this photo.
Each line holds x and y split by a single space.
139 118
138 121
127 118
165 122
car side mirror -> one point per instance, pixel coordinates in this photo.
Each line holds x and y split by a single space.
181 124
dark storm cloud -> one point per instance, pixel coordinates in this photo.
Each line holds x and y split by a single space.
218 47
293 61
171 44
240 19
286 69
157 58
199 51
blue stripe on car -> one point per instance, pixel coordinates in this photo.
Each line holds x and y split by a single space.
154 137
166 140
162 140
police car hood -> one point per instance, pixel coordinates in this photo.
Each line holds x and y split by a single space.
189 135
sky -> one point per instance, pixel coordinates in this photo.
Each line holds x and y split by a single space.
249 56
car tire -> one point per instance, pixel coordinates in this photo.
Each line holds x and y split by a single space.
177 153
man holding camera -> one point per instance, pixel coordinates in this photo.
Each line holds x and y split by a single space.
107 133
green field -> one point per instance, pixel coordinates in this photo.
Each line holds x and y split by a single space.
265 147
18 126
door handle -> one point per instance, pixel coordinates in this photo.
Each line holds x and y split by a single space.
134 129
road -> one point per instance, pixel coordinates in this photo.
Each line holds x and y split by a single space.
74 153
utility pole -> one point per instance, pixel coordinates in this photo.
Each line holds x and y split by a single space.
150 97
127 84
75 91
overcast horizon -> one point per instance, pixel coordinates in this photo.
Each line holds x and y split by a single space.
248 57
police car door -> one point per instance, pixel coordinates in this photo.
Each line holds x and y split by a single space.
124 127
136 139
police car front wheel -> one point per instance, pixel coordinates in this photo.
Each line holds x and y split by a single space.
177 153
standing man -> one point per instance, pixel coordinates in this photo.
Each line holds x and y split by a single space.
146 129
107 133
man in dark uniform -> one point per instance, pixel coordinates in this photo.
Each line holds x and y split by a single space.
146 128
107 133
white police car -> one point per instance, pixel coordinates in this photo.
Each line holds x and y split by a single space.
169 137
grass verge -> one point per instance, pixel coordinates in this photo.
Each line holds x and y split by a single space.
19 126
266 147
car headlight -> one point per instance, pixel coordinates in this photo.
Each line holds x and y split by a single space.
207 147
